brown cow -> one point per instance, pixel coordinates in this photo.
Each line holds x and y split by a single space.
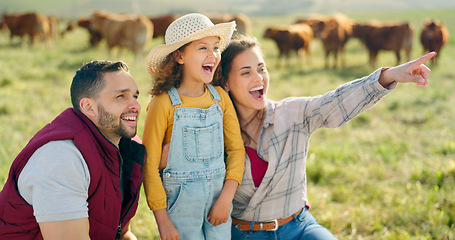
316 23
392 36
334 32
86 23
32 24
95 36
131 32
160 24
291 39
243 24
434 35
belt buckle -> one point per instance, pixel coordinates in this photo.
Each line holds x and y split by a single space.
276 225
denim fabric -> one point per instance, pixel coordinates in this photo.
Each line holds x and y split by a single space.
303 227
194 176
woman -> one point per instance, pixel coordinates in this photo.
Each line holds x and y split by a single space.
272 200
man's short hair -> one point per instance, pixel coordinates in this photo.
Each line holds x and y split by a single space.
88 81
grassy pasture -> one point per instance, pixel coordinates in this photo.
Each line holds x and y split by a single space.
388 174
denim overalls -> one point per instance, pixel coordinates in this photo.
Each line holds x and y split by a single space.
195 171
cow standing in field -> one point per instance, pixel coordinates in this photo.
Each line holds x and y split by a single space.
294 38
86 23
94 35
316 23
160 24
124 31
32 24
243 24
376 36
334 32
434 35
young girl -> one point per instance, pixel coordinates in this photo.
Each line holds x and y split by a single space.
271 202
191 192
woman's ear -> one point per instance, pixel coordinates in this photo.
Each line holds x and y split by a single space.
226 87
86 107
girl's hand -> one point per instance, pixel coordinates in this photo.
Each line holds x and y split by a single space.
165 226
219 213
413 71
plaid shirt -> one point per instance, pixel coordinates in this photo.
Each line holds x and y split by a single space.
283 143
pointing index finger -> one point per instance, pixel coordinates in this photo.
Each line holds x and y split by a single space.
425 57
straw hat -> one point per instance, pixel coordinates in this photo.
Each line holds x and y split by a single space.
186 29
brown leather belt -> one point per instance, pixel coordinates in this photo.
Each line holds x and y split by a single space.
271 225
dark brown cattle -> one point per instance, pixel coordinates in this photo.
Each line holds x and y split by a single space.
124 31
32 24
334 32
160 24
290 39
86 23
95 36
393 37
433 36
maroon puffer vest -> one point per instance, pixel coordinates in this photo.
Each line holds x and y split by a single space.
105 163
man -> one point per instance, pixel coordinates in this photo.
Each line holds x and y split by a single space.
80 176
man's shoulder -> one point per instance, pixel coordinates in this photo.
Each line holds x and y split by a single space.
65 149
58 146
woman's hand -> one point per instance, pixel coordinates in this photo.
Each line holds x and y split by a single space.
413 71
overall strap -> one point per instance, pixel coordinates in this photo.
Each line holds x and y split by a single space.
174 95
215 96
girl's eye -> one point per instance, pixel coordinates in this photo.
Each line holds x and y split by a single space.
120 96
245 73
202 48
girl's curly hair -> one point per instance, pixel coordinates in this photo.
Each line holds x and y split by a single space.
168 75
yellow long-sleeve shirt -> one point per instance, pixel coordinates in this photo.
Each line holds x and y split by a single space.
159 121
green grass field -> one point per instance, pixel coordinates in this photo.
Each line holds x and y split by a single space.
388 174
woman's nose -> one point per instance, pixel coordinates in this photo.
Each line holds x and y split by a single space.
258 77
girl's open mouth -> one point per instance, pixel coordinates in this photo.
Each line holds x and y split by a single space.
208 68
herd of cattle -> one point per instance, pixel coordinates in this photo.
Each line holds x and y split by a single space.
334 32
133 32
